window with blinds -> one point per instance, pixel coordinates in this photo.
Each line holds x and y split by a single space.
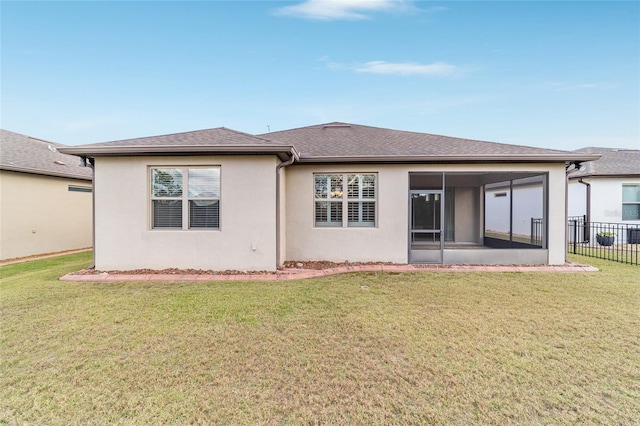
345 198
630 202
185 198
328 200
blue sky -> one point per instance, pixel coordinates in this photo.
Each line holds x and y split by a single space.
551 74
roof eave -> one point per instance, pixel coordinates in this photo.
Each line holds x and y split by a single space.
604 175
284 152
44 172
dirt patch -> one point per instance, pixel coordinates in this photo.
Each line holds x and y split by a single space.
290 264
41 256
322 264
287 268
171 271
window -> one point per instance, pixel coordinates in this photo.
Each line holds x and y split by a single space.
185 198
630 202
331 204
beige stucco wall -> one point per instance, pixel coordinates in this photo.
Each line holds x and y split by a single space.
388 241
246 239
468 215
38 214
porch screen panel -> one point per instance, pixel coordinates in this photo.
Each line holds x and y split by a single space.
514 213
497 203
527 211
449 214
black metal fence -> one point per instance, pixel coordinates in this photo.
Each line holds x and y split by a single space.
536 231
619 242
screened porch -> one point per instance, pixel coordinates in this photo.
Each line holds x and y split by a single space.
478 218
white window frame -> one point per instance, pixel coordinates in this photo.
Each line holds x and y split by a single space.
628 203
338 199
185 198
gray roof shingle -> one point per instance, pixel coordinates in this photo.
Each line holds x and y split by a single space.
334 140
26 154
217 140
331 142
215 136
613 162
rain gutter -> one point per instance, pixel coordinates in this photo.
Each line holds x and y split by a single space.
283 151
457 158
19 169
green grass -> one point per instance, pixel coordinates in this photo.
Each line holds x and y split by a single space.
428 348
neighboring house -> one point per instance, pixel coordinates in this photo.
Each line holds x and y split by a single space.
221 199
607 190
45 198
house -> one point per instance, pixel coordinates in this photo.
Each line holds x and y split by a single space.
607 190
45 198
222 199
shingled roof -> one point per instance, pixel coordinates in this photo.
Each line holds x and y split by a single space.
613 162
21 153
217 140
344 142
331 143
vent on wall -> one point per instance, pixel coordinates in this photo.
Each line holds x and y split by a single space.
73 188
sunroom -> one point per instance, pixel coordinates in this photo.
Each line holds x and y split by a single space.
478 217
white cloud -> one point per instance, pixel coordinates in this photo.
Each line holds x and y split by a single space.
560 86
350 10
407 68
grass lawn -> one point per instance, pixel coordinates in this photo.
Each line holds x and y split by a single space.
381 348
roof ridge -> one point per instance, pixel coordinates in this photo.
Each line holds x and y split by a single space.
162 135
607 149
242 133
323 125
33 138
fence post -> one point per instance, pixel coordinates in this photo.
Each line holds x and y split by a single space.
575 236
533 237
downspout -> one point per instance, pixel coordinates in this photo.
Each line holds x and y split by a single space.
587 216
511 214
280 166
566 204
89 162
566 210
